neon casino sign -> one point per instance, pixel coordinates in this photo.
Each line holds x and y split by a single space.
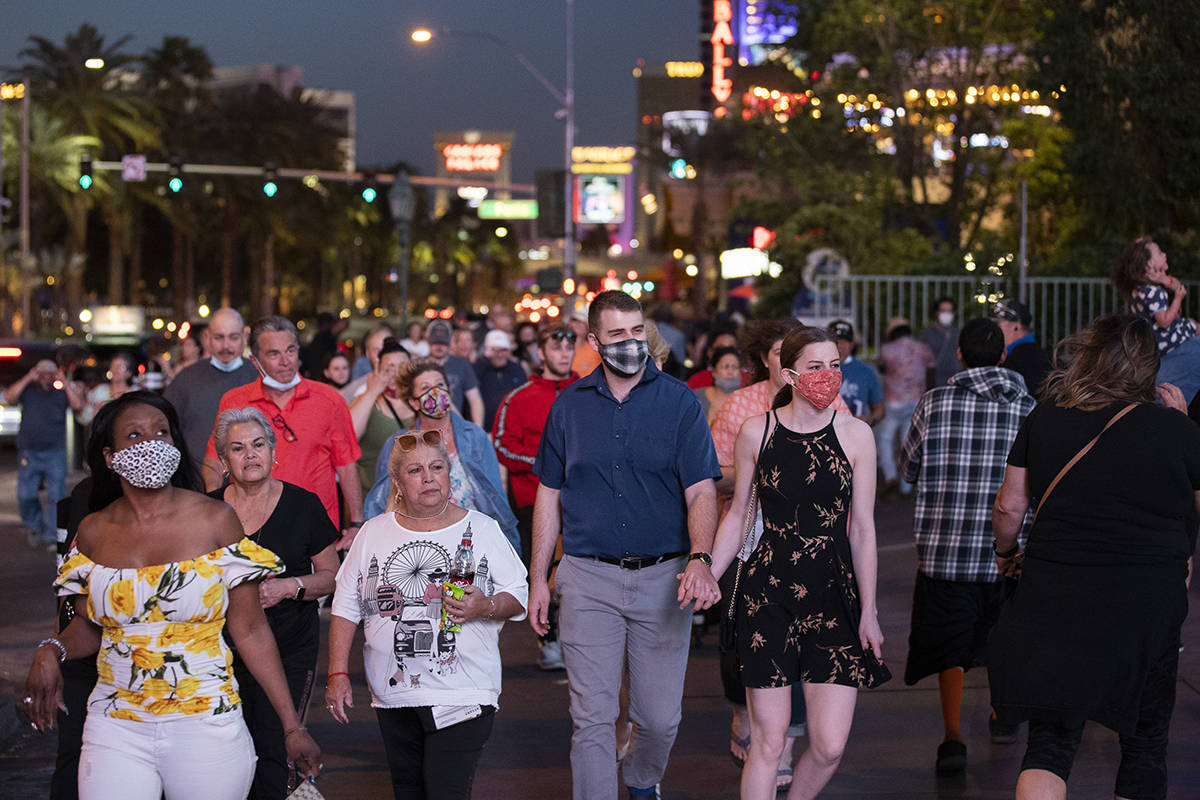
464 157
721 39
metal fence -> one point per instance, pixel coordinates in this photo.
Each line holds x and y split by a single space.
1059 305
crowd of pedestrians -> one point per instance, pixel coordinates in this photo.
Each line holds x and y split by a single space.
443 483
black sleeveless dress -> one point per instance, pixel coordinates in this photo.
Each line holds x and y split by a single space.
799 611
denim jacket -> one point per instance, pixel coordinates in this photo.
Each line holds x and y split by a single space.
478 459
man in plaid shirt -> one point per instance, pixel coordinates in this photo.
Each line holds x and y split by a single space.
955 452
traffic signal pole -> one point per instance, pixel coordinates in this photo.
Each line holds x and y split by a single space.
333 176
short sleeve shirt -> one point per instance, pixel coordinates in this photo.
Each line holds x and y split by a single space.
323 434
461 377
622 466
1148 300
904 363
860 386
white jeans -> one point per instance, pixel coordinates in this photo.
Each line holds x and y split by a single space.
209 758
894 425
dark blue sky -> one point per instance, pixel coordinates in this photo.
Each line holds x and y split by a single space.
404 92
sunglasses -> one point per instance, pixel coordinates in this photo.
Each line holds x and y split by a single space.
279 422
408 441
559 336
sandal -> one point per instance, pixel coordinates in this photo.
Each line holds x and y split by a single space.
783 779
739 743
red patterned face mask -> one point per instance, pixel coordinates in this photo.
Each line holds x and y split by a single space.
819 386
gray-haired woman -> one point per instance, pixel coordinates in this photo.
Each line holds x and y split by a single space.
292 523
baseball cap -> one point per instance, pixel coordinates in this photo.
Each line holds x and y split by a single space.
842 330
1011 311
46 365
438 332
497 339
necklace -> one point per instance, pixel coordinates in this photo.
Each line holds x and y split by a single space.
431 516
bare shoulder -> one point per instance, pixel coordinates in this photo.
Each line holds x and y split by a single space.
752 430
212 519
852 431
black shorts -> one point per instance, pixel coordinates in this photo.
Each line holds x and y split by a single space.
950 625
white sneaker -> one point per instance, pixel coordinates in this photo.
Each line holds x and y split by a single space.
550 657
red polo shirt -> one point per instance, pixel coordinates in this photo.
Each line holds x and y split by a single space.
324 436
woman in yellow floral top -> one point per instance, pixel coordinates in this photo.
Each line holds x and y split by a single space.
161 571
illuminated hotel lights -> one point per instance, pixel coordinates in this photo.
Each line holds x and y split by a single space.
722 38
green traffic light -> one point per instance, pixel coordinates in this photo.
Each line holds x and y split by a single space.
175 184
270 188
369 194
85 181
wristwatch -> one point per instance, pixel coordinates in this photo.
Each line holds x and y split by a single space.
1016 548
705 557
300 591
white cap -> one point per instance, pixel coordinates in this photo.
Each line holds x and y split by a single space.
497 339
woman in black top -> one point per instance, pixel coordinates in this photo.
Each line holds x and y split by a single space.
1092 632
292 523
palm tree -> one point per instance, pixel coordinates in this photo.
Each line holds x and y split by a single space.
103 103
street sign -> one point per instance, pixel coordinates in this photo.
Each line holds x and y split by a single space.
133 168
508 209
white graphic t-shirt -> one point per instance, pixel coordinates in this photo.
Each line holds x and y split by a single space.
410 660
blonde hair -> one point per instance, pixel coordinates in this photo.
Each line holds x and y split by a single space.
1113 360
660 351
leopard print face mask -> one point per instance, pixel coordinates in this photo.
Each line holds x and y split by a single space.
147 465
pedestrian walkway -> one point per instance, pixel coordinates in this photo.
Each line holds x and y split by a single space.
890 753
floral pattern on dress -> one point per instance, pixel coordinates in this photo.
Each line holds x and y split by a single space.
161 651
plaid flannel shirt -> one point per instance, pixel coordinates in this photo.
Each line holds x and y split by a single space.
956 451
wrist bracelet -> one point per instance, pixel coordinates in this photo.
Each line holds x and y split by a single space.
334 675
62 648
1016 548
294 730
493 611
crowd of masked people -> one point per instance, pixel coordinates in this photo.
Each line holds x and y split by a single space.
615 477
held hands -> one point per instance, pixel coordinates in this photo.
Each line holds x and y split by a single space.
697 584
869 634
1010 567
539 607
43 689
338 697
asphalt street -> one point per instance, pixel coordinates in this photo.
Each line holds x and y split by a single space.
890 754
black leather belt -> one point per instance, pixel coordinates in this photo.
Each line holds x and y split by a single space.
637 562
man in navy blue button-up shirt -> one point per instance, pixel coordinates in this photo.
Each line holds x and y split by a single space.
626 469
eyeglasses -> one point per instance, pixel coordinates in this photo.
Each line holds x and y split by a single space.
408 441
559 336
289 435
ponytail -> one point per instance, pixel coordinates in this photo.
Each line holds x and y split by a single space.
782 397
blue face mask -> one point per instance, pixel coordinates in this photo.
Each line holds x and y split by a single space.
271 383
230 367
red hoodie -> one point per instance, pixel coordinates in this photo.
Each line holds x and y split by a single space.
517 431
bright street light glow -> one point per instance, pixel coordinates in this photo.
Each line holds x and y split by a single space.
422 35
94 63
502 231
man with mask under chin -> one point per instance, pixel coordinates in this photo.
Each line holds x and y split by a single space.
626 471
197 390
315 445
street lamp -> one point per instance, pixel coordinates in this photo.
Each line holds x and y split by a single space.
564 96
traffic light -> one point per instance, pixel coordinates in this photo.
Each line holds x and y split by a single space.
175 173
85 172
551 203
679 168
269 187
369 192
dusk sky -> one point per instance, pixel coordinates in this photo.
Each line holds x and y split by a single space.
405 91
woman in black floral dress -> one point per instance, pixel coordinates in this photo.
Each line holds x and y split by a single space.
806 604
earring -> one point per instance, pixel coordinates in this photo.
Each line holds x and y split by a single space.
399 497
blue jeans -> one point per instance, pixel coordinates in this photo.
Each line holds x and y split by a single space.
1181 367
894 424
36 467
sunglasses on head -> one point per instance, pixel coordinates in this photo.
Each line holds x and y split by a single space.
408 441
559 336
